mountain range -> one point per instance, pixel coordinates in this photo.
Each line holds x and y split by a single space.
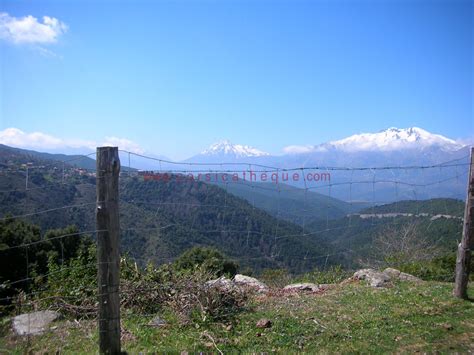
365 167
391 139
352 180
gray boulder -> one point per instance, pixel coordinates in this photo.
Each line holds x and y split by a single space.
374 277
397 274
407 277
222 283
379 279
250 282
298 287
34 323
392 273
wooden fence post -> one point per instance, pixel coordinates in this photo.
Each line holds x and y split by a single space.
108 257
463 259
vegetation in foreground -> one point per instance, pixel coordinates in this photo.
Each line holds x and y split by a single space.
347 317
350 317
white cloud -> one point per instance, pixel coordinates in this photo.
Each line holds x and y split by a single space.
123 144
40 141
29 30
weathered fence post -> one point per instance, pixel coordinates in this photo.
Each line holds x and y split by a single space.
108 257
463 259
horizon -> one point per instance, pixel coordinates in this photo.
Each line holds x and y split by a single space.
183 75
41 142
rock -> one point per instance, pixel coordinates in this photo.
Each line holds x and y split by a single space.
379 279
302 287
395 274
264 323
374 277
407 277
223 283
448 326
250 282
240 281
392 273
157 322
34 323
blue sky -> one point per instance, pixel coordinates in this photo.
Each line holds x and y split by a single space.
176 76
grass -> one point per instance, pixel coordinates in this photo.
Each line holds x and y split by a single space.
350 317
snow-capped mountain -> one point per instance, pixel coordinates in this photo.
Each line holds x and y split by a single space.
391 139
392 147
225 147
394 139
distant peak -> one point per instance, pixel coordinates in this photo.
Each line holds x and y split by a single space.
226 147
394 138
409 130
389 139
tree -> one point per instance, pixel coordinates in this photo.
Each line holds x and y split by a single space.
402 244
209 259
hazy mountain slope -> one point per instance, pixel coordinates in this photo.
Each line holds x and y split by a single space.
291 203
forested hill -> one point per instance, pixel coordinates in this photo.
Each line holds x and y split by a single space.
436 206
435 223
159 220
180 215
297 205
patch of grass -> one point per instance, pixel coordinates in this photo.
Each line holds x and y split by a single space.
350 317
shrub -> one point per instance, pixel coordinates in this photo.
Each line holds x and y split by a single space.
145 291
441 268
404 244
58 246
70 287
194 300
209 260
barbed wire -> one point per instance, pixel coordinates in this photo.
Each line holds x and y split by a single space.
274 168
49 210
45 240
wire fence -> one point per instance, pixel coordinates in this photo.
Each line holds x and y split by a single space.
265 217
